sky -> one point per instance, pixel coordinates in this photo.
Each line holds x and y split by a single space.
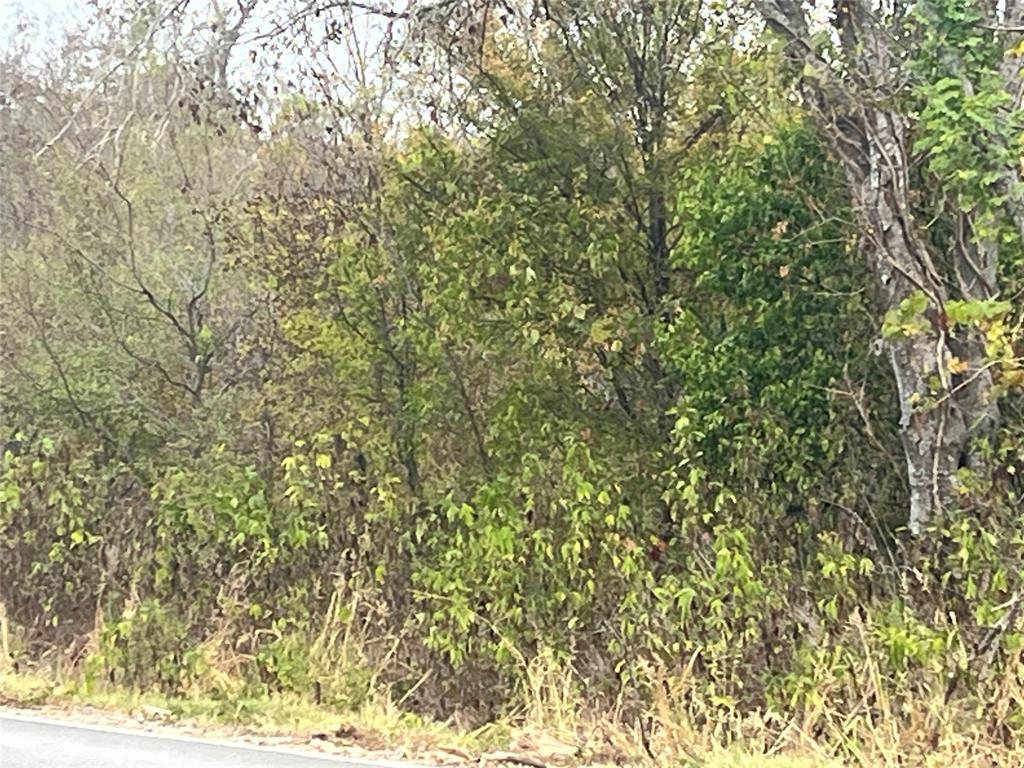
57 11
48 15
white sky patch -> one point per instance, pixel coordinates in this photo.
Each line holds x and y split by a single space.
42 18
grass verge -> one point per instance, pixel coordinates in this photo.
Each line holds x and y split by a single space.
377 728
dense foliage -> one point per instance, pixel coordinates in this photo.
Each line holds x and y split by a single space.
565 361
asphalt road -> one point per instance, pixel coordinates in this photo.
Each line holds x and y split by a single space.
36 743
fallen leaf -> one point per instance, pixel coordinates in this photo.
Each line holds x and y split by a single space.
511 757
456 751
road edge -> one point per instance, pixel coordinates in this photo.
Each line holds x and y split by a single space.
168 733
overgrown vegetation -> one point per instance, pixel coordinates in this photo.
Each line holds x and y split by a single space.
527 363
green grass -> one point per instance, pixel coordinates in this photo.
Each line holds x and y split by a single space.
377 725
380 726
24 690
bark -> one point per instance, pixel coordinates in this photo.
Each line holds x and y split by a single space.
942 415
1011 19
933 425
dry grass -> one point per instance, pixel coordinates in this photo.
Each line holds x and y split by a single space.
554 723
551 727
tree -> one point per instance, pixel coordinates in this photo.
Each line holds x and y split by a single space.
121 340
890 86
127 185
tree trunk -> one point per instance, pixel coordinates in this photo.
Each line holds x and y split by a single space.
933 422
943 384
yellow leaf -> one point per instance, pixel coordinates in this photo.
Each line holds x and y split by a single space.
1012 378
956 365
